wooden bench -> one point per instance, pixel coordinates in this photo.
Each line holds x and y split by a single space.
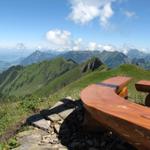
131 121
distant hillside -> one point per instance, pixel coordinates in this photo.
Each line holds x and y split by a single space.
135 53
147 58
38 56
25 80
43 78
139 58
114 59
142 62
111 59
80 56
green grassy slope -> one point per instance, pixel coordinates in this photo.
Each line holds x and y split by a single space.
44 78
19 81
70 76
133 71
37 100
21 109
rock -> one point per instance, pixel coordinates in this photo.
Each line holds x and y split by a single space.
59 103
49 122
62 148
54 118
60 121
39 122
92 64
70 98
52 139
24 133
29 139
54 147
43 141
57 127
64 114
58 107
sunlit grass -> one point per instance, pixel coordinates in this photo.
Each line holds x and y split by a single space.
13 112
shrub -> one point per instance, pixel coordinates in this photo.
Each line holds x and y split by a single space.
13 143
30 103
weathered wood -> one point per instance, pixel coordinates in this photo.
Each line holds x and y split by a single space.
147 100
143 86
129 120
119 82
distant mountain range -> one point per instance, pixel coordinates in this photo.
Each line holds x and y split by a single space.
135 53
39 56
139 58
80 56
111 59
114 59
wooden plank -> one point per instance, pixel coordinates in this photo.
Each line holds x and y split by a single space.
143 86
119 81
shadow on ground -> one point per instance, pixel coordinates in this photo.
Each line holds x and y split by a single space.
75 136
67 129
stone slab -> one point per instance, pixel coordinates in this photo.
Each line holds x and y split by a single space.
64 114
39 122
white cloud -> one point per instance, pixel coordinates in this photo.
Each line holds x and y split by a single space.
92 46
58 37
105 14
95 46
62 40
109 48
130 14
84 11
77 44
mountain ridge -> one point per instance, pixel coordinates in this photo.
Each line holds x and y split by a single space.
111 59
44 77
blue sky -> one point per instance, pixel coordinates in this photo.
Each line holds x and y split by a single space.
74 24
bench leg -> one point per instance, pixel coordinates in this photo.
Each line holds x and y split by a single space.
147 100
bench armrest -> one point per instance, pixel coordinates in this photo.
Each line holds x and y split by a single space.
143 86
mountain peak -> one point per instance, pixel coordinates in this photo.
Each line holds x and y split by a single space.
92 64
37 51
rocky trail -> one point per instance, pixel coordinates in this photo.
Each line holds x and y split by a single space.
61 128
